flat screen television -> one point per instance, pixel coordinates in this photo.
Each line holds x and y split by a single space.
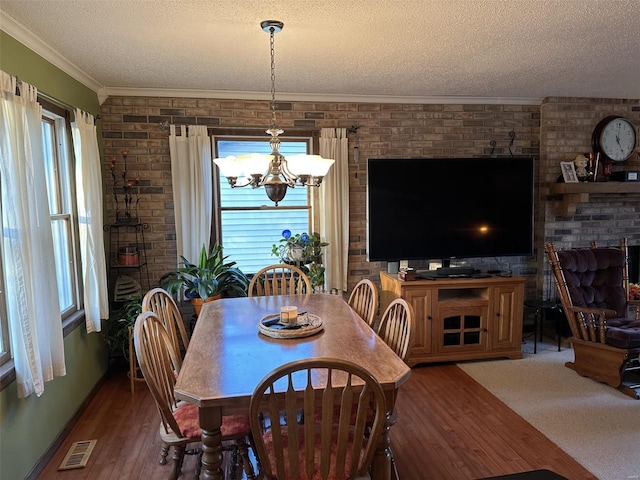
443 208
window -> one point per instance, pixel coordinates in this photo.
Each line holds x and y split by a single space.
249 223
60 186
59 172
58 167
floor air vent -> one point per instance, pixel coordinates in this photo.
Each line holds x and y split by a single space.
78 455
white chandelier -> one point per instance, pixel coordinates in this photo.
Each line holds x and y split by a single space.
275 172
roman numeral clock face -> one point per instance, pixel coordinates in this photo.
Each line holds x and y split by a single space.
615 138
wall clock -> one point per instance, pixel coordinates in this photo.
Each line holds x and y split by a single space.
615 138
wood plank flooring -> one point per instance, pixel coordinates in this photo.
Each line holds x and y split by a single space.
449 428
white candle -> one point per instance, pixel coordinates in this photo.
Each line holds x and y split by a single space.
289 315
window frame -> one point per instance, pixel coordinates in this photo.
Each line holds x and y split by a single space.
307 136
5 345
64 159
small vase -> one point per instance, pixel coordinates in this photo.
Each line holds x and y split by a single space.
296 253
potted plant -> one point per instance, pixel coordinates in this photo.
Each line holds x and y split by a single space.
301 249
119 325
212 277
298 249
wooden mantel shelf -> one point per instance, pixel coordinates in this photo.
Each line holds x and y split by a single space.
574 193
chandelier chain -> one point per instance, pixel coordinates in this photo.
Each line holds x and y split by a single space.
273 76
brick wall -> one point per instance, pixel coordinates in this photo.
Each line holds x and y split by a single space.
557 130
566 128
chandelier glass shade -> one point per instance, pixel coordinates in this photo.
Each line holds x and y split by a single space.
274 172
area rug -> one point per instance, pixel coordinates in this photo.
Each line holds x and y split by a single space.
594 423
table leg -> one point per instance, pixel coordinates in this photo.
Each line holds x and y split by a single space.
381 466
535 331
210 422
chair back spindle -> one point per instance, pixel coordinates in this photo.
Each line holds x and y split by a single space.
162 304
364 300
324 445
279 279
397 327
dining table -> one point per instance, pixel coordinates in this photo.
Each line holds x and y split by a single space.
229 355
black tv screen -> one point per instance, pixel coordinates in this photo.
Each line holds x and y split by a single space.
441 208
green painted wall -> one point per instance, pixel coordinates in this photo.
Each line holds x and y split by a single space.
16 59
29 426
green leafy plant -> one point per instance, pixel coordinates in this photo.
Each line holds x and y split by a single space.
117 331
309 252
316 276
210 277
309 244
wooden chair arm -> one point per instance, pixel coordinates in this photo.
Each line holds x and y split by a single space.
591 323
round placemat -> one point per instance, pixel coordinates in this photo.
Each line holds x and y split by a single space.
312 325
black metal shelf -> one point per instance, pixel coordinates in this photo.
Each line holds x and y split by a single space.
139 243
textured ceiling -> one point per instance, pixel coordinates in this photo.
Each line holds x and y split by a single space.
382 48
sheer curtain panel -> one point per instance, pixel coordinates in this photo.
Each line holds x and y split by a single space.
32 307
192 188
89 200
334 207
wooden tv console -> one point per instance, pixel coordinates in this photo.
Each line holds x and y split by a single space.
460 318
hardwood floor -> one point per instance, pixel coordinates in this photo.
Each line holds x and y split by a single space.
449 428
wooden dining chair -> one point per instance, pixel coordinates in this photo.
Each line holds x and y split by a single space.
397 330
179 423
159 301
364 300
331 446
279 279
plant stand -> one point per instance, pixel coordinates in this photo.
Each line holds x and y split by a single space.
128 237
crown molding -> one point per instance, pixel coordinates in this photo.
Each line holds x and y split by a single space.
319 97
15 29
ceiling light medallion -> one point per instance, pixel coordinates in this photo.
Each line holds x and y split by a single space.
275 172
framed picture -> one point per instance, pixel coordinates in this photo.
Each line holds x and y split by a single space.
569 172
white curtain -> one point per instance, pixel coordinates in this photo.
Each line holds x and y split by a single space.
334 207
33 307
89 199
192 189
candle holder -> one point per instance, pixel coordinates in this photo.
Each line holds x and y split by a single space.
288 315
130 190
